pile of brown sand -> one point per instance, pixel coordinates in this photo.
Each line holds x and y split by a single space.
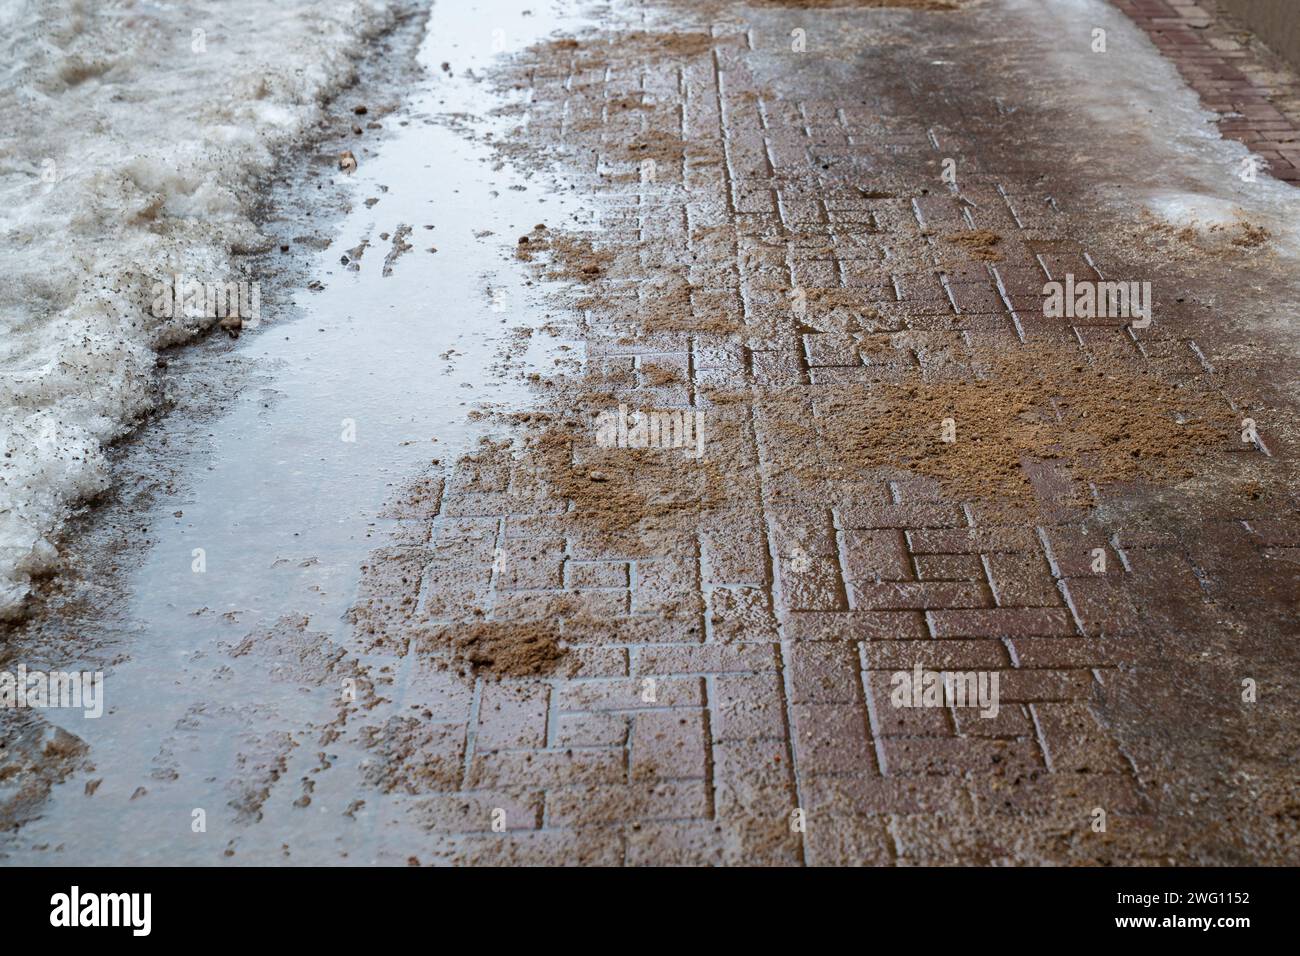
1107 425
506 648
617 489
978 243
596 49
908 4
568 256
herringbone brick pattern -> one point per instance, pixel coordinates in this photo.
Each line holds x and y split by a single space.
727 670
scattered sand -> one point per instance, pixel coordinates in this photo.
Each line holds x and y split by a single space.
1090 416
507 648
569 256
617 489
978 243
1196 241
907 4
1032 404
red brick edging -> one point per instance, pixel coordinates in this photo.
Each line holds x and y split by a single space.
1210 59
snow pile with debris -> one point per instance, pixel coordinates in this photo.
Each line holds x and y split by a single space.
133 134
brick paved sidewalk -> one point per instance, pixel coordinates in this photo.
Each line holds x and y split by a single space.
729 629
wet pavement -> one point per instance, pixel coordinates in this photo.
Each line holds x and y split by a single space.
449 612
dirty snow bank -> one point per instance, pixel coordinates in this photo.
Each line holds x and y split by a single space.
133 131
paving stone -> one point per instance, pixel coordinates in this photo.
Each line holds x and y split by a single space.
728 666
